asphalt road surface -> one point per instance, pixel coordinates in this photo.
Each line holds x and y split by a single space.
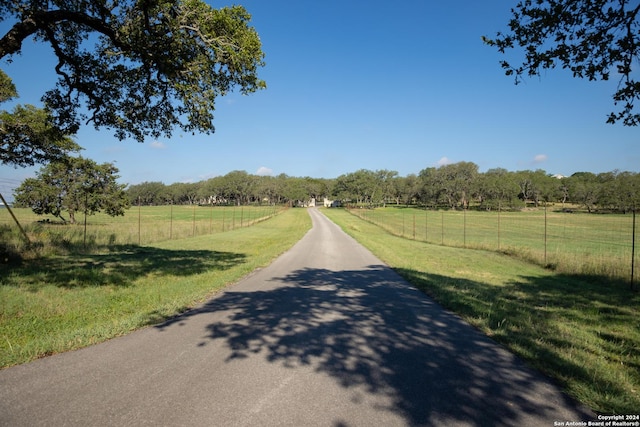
325 336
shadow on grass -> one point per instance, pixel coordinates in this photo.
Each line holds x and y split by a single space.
120 267
568 326
381 338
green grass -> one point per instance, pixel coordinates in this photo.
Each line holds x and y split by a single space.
57 303
140 225
571 243
582 330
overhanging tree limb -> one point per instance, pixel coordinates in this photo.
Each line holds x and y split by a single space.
594 39
155 65
11 42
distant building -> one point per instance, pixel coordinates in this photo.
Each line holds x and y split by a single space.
332 203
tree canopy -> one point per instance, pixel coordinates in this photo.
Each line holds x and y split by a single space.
594 39
139 67
74 184
28 137
27 134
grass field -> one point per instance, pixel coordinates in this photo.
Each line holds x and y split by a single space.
582 330
57 303
140 225
572 243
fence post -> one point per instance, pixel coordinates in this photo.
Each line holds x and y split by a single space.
633 246
442 227
545 234
139 221
86 203
499 208
171 220
414 225
426 225
464 227
224 211
194 220
402 213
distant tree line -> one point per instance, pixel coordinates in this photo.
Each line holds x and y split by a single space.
234 188
455 186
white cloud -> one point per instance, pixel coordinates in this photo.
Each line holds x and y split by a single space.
157 145
264 171
443 161
540 158
207 176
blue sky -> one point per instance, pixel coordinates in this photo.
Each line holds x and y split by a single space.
371 85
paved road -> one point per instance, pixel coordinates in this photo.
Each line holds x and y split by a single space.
325 336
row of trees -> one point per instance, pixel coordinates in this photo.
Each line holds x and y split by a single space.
78 185
237 187
458 185
461 185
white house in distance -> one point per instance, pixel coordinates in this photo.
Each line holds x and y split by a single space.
331 203
312 203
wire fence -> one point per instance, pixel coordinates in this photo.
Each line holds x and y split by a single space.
139 226
572 243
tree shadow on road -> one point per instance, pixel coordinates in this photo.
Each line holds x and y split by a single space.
121 266
533 314
375 334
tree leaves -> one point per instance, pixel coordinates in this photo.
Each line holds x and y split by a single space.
141 68
74 184
27 137
594 39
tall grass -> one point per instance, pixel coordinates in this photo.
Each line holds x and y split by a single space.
572 243
582 330
61 302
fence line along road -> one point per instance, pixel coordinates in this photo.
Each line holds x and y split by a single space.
574 243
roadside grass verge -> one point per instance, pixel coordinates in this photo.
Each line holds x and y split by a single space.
59 303
581 330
